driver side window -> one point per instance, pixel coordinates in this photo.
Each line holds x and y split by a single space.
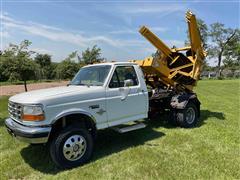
121 74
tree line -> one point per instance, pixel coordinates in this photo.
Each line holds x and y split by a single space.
18 63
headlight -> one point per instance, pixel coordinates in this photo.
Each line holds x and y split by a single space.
33 113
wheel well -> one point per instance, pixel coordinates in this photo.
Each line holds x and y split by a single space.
78 120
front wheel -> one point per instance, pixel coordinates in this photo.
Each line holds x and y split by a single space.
72 147
188 117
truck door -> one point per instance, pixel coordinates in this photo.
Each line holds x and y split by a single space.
126 101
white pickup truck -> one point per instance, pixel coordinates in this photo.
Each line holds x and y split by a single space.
99 96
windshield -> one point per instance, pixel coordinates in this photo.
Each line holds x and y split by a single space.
91 76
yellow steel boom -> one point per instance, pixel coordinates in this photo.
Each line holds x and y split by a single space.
172 66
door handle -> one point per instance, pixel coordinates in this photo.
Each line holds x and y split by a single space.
94 106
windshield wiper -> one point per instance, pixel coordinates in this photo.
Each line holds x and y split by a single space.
79 84
82 84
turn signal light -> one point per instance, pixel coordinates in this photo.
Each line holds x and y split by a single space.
27 117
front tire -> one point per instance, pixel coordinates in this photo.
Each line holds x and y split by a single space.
72 147
188 117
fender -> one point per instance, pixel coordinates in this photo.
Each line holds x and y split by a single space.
180 101
74 111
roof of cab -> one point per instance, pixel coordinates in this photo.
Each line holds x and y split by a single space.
113 63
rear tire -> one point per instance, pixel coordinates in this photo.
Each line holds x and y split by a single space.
188 117
72 147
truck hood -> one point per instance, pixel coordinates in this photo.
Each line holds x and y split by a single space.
44 95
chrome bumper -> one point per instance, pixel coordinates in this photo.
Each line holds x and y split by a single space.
29 134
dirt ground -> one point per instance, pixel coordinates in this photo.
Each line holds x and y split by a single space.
14 89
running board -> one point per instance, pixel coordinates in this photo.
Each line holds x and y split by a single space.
130 128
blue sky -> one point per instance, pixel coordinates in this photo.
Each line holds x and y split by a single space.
60 27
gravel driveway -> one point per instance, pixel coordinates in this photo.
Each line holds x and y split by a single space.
14 89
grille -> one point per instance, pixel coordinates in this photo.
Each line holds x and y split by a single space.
15 110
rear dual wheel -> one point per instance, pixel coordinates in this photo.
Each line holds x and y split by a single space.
187 117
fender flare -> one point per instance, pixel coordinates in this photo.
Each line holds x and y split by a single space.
74 111
180 101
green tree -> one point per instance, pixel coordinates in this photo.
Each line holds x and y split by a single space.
54 68
221 38
203 29
90 56
3 76
17 64
43 59
68 67
46 67
232 52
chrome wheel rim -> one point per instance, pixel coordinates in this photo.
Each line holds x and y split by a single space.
74 147
190 115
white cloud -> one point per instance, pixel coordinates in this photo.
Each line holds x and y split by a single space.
45 26
153 8
59 35
122 47
42 51
158 29
135 31
126 12
169 42
123 31
5 34
173 42
54 33
149 50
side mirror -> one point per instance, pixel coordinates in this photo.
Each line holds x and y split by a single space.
128 82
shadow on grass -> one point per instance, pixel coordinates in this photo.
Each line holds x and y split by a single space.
107 143
206 114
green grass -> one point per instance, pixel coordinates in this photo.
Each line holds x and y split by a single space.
160 151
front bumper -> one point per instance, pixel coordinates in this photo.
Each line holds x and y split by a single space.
29 134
